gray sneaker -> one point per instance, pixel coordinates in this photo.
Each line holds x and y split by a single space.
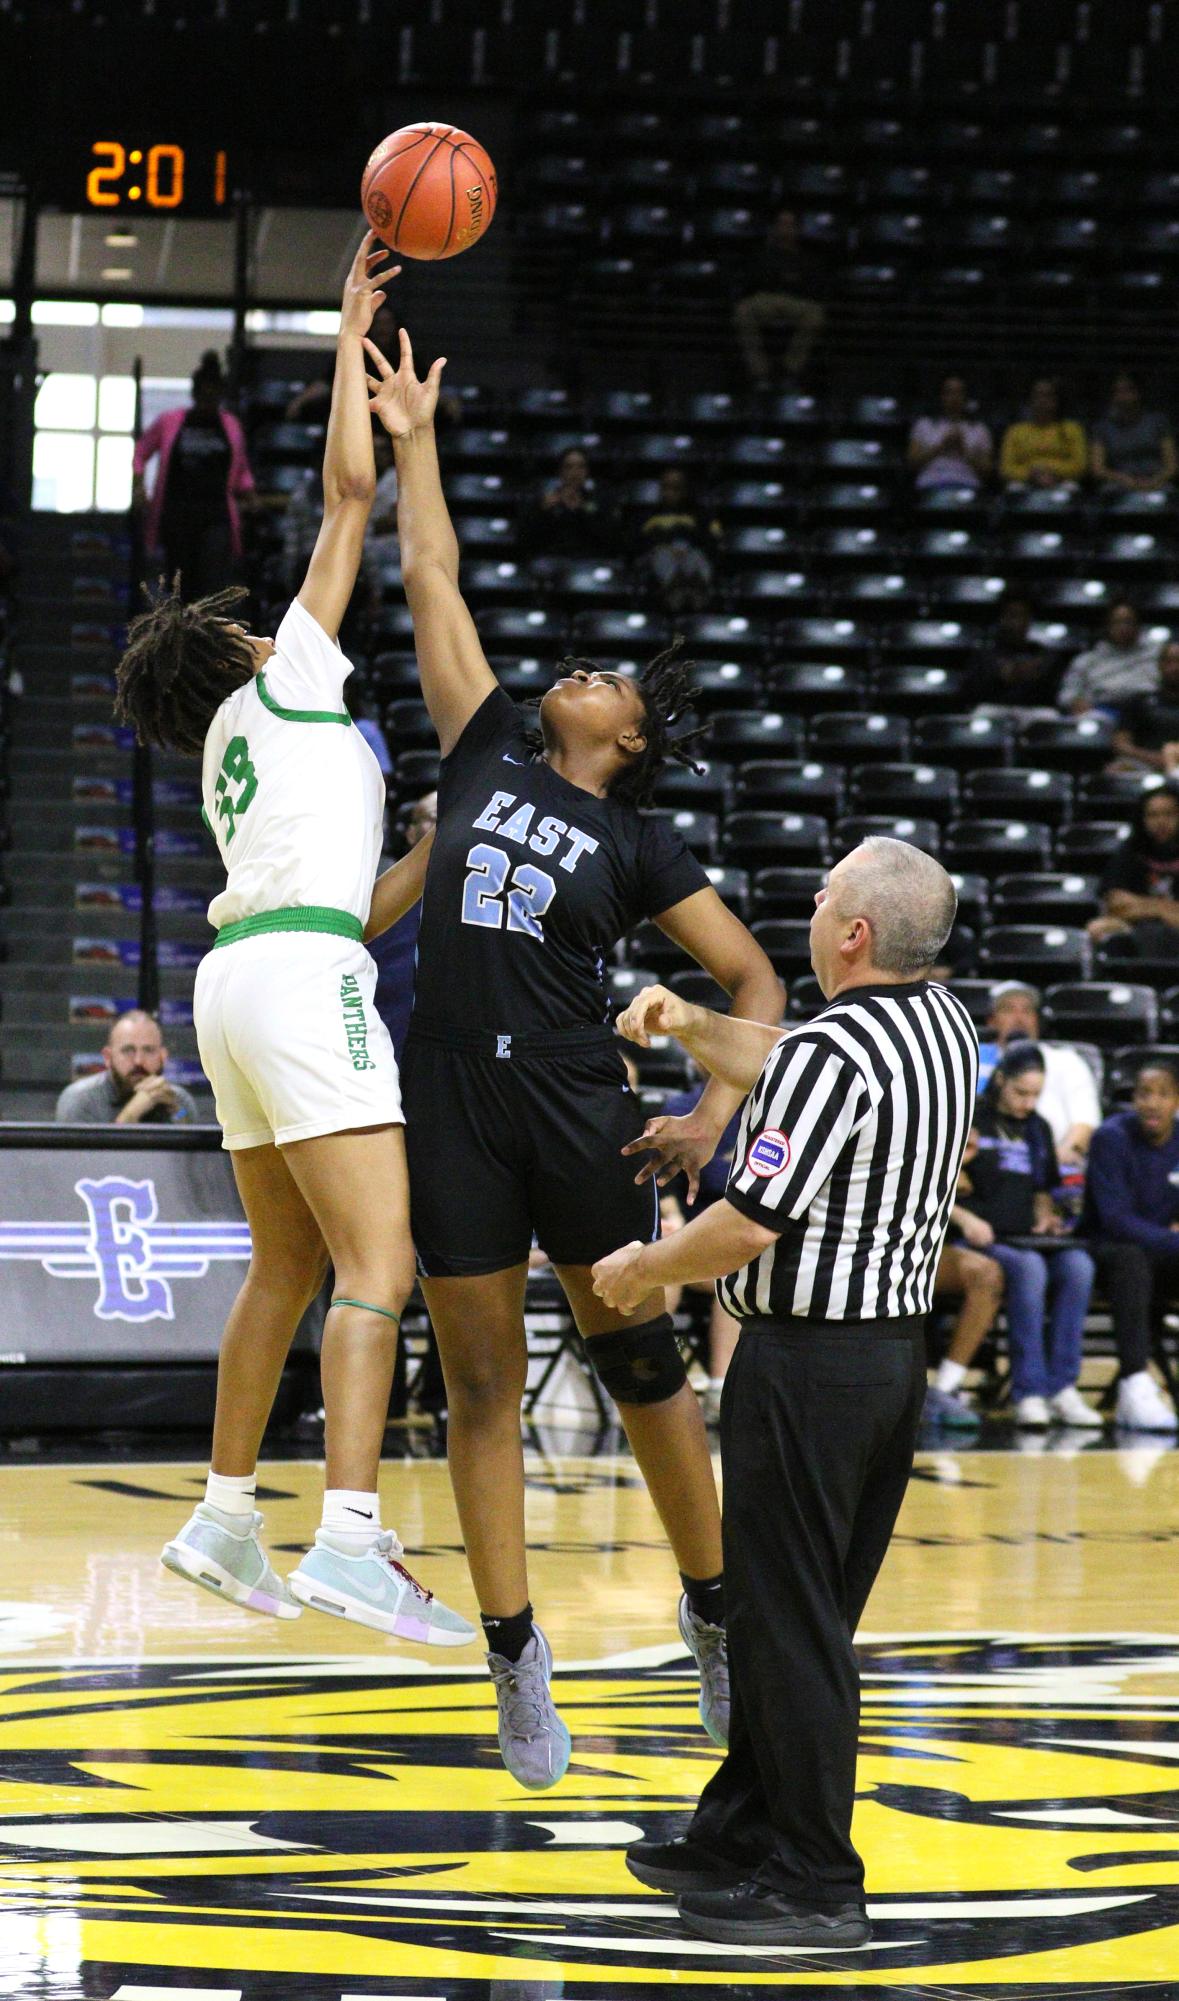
224 1553
942 1407
709 1648
533 1742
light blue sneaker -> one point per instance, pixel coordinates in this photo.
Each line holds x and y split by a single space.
223 1553
945 1407
376 1590
709 1648
533 1742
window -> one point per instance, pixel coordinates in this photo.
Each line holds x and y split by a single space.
83 446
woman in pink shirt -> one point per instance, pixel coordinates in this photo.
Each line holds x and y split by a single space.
192 522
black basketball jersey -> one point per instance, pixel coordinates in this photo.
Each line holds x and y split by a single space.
531 882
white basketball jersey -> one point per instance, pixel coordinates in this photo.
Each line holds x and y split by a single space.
291 790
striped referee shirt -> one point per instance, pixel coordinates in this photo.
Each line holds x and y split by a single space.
849 1149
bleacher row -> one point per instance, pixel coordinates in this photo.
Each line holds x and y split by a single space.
828 724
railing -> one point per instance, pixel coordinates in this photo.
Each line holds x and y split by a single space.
142 773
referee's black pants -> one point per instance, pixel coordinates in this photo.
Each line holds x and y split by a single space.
818 1423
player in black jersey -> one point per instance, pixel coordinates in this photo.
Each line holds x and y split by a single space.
517 1108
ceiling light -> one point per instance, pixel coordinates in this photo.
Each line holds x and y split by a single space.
121 239
116 271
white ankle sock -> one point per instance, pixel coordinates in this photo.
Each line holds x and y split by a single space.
232 1493
351 1519
950 1375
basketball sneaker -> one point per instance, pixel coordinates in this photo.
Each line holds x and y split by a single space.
224 1553
948 1408
1033 1414
533 1742
375 1589
709 1648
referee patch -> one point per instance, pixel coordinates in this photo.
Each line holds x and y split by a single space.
769 1154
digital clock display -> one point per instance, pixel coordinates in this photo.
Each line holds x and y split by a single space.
159 176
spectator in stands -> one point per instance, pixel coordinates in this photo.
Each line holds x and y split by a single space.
1069 1101
1005 1204
310 405
569 519
131 1089
781 288
1043 449
192 522
1140 881
977 1280
1106 676
1147 736
1013 667
953 448
678 543
396 950
1131 449
1132 1217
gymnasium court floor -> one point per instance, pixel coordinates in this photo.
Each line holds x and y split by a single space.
195 1802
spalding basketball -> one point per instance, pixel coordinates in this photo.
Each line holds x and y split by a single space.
429 191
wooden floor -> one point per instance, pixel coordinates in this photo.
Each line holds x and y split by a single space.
198 1802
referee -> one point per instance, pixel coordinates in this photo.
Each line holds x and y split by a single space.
825 1250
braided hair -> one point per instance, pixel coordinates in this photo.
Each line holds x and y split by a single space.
179 664
665 686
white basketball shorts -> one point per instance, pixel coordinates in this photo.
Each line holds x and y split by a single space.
290 1040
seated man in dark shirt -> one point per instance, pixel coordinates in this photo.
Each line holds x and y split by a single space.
1147 736
779 291
1132 1220
1012 666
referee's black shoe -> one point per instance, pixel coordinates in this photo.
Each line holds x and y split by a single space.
682 1865
753 1913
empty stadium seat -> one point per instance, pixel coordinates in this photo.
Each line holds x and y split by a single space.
975 996
704 788
786 942
858 739
731 885
785 892
754 840
1066 743
1111 1014
928 790
916 691
966 741
856 827
1052 898
408 726
996 846
699 831
813 685
740 733
1122 1065
1045 952
794 786
1088 844
1045 796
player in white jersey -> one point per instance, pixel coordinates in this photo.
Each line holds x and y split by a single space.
301 1064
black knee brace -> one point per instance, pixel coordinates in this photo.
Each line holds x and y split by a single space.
639 1364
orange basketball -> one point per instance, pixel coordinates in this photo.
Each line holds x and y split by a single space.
429 191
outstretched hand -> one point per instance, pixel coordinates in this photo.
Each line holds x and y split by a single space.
395 395
362 293
676 1146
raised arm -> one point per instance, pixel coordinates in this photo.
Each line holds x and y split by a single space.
349 469
456 678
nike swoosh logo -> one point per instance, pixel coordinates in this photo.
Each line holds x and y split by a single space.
366 1514
358 1585
514 760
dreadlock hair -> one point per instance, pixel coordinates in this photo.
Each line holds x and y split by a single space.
178 666
665 686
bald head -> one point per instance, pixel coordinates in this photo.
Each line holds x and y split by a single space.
887 909
134 1050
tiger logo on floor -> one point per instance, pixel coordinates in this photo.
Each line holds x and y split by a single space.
351 1823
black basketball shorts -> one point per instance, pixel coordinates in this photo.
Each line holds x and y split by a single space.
514 1136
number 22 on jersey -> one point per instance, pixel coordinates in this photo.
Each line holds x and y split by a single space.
529 893
236 771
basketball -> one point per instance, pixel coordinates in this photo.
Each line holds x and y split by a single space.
429 191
